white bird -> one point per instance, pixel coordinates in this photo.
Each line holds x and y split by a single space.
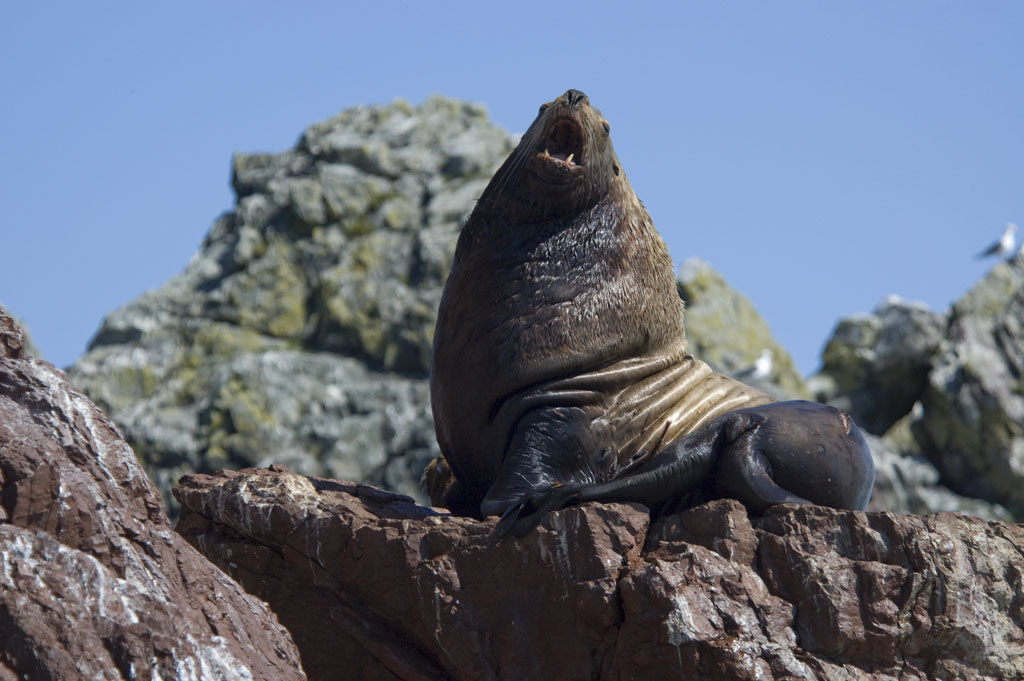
763 365
1005 243
760 370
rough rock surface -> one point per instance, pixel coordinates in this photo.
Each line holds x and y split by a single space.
725 330
912 484
300 333
93 582
945 389
371 583
877 364
15 328
972 419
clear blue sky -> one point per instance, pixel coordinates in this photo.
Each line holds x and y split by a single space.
821 155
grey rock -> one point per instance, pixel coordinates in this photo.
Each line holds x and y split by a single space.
254 172
725 330
972 426
300 333
911 484
875 366
441 136
946 392
366 311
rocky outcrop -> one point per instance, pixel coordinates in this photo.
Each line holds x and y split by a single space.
972 418
300 333
93 581
911 483
876 366
946 389
372 584
725 330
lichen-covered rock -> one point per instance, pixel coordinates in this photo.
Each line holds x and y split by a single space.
725 330
946 389
371 583
876 366
972 421
301 331
93 582
908 482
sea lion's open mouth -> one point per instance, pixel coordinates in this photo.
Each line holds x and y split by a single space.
565 142
561 155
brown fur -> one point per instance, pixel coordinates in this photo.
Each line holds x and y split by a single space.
560 353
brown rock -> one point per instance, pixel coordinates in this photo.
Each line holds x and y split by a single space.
12 338
93 581
371 583
374 586
721 525
942 594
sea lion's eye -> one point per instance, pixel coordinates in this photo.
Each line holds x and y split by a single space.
607 128
543 108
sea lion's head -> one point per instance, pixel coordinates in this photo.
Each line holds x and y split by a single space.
564 163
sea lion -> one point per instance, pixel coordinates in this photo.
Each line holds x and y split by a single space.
560 366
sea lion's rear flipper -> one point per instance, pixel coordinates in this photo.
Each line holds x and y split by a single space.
795 452
744 473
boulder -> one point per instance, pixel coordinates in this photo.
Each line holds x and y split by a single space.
946 390
876 366
370 583
972 421
300 333
909 483
93 581
726 331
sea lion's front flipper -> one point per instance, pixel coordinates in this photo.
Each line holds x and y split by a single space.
525 514
681 466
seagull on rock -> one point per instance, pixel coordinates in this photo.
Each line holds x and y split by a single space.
763 365
761 370
1005 243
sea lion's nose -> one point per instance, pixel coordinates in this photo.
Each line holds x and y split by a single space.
574 98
